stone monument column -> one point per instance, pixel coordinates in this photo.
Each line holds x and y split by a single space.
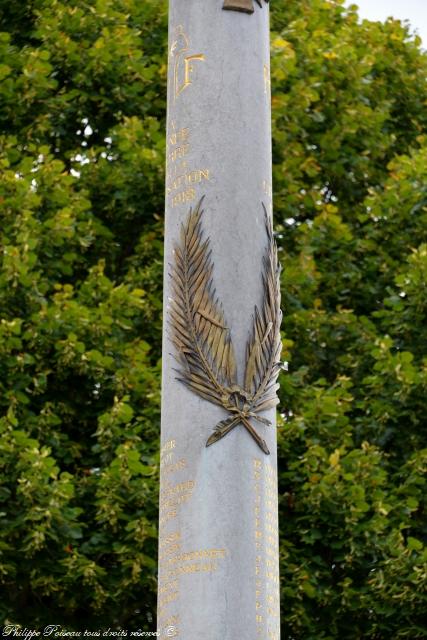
218 533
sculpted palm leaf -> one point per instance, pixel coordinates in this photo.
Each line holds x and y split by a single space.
202 339
197 320
264 346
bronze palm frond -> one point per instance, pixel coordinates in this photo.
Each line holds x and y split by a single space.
203 341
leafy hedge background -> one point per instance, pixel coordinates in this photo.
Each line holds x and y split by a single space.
82 93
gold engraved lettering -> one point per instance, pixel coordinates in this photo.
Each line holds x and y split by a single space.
179 137
267 81
267 188
178 153
182 63
168 586
169 515
199 553
170 539
168 598
192 177
171 621
272 576
271 552
170 444
184 196
176 466
267 607
188 70
172 549
168 465
167 458
181 487
173 496
198 561
179 177
169 591
196 567
175 501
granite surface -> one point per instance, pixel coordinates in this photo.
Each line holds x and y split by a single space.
218 550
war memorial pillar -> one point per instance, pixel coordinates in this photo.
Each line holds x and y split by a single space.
218 532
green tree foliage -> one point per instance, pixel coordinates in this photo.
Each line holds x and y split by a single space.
82 153
82 93
350 177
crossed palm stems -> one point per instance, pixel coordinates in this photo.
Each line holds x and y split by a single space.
203 342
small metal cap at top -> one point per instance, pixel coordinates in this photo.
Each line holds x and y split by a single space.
245 6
